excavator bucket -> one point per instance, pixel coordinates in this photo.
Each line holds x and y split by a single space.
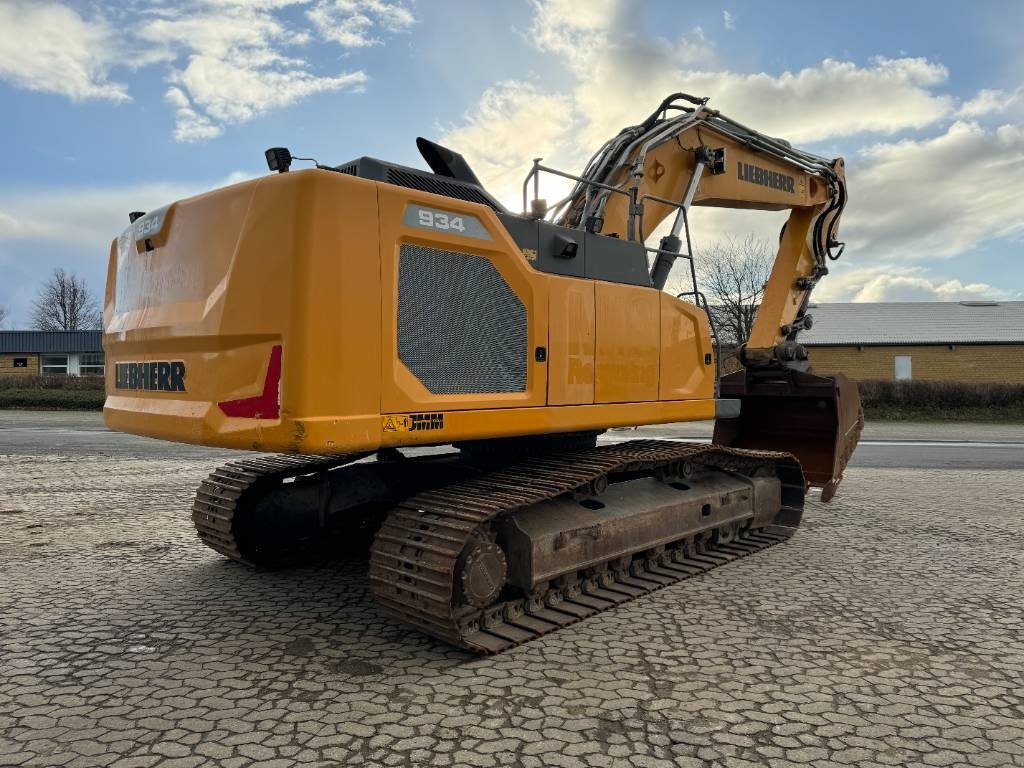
818 419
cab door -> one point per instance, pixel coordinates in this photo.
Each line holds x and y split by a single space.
628 344
571 340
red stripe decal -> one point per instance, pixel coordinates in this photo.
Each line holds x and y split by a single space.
266 405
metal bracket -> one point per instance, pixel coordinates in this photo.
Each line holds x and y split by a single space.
803 323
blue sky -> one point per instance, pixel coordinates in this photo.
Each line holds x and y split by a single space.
118 105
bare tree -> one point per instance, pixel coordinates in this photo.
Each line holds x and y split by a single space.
4 314
65 303
732 274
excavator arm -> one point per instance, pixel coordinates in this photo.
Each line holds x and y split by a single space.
686 154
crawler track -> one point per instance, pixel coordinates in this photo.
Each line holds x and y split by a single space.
416 557
223 497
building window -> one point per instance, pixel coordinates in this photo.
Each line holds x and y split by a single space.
55 364
903 368
90 364
21 362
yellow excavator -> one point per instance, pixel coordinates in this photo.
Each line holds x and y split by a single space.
422 367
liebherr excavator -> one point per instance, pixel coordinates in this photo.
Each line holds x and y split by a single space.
343 318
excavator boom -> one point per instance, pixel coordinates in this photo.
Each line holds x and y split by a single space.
686 154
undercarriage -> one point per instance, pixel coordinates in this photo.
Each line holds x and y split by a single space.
487 549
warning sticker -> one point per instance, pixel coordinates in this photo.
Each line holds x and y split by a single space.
413 422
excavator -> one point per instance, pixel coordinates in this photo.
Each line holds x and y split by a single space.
421 369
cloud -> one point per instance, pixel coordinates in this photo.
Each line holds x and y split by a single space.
49 47
352 23
229 61
570 28
834 98
235 55
620 66
991 101
189 125
229 91
530 123
514 122
728 21
937 197
829 100
893 282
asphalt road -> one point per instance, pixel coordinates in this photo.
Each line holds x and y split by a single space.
907 446
933 455
925 454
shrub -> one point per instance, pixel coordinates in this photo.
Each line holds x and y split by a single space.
940 394
53 399
84 393
942 401
67 383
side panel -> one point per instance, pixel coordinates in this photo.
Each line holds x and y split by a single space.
469 312
628 343
685 345
571 342
335 359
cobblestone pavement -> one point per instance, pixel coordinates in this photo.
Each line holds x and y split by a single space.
889 631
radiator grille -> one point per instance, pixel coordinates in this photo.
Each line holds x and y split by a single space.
461 328
430 183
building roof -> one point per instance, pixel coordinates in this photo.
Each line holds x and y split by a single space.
31 342
922 322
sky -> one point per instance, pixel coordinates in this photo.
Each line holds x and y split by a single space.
110 106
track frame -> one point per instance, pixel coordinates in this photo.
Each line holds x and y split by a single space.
419 555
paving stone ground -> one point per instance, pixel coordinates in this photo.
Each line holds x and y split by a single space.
888 632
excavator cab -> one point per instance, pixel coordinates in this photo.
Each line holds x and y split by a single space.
816 418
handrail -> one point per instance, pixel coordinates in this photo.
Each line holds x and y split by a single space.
669 253
699 298
535 172
535 175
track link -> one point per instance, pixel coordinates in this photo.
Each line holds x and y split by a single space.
415 558
223 496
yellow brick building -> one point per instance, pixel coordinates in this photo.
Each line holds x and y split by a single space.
969 341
